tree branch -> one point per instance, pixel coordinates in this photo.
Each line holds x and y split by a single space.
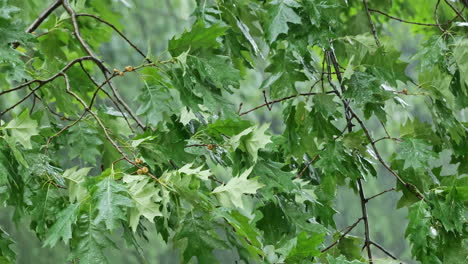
105 71
43 16
455 10
383 250
369 17
348 229
118 32
374 196
365 219
406 21
41 83
280 100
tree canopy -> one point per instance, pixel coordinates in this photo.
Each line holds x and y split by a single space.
89 149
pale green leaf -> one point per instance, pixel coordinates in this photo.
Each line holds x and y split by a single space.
76 191
230 194
146 196
22 128
112 199
62 228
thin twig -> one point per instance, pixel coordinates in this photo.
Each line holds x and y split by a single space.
455 10
280 100
100 88
307 166
436 17
383 138
40 83
100 64
409 186
365 219
63 130
406 21
348 229
43 16
383 250
266 101
372 26
374 196
118 32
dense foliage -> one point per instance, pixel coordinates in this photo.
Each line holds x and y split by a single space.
83 162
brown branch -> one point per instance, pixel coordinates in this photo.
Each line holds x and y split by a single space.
64 69
436 17
348 229
266 100
409 186
406 21
455 10
216 180
105 71
240 108
349 111
365 219
196 145
372 26
50 109
98 120
307 166
349 117
43 16
63 130
40 83
374 196
77 33
383 250
383 138
100 88
118 32
280 100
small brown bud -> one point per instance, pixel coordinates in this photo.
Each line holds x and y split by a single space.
404 91
138 161
129 68
121 73
139 171
144 170
116 71
211 146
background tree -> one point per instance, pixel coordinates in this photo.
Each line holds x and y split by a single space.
102 140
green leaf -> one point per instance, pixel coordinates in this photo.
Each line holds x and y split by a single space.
85 142
22 128
251 140
146 197
420 232
217 70
76 190
341 260
90 242
111 201
158 100
416 153
274 178
460 54
305 247
281 13
7 255
198 238
198 38
12 31
230 194
62 228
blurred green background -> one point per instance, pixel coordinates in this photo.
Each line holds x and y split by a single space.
150 24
